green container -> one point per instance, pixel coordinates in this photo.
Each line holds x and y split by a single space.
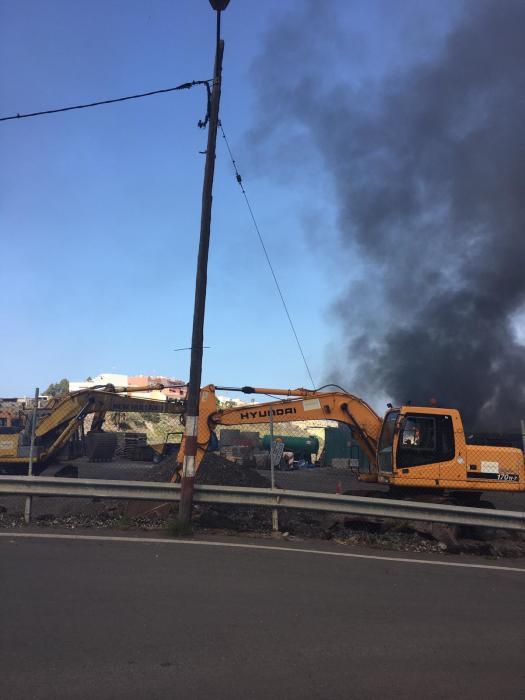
302 447
340 444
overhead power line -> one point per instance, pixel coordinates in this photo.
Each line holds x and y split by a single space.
183 86
186 86
261 240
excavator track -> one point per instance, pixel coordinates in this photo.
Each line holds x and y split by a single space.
449 534
472 499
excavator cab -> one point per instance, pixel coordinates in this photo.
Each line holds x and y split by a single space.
421 446
425 447
414 444
10 425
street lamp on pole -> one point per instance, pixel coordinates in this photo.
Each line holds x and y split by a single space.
192 410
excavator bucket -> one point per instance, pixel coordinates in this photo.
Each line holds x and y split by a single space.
100 447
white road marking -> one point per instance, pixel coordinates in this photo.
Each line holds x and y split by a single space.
273 548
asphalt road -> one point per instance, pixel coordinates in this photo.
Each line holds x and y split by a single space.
110 619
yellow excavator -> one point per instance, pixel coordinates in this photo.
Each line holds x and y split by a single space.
59 431
412 447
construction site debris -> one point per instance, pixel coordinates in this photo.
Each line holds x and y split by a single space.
221 519
134 446
213 469
100 446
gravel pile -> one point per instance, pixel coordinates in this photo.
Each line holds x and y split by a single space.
213 469
397 536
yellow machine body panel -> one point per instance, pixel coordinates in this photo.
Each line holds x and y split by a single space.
9 445
12 421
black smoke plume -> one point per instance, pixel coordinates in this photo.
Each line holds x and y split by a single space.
428 166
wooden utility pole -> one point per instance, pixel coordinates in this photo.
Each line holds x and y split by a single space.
192 410
29 499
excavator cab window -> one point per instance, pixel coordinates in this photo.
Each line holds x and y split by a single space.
425 440
10 426
384 450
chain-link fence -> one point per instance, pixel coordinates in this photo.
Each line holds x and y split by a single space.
305 445
426 449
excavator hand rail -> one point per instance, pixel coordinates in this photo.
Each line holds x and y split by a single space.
268 498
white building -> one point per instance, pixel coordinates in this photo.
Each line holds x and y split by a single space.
174 388
115 379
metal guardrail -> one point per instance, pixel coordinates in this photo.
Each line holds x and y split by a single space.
279 498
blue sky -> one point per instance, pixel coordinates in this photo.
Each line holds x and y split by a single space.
100 209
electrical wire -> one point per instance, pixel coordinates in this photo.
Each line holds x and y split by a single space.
239 180
183 86
186 86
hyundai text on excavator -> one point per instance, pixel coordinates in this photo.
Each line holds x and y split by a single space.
59 428
412 447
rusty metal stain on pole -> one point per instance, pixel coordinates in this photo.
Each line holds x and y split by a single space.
192 411
275 516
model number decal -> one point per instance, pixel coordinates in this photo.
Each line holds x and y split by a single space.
507 477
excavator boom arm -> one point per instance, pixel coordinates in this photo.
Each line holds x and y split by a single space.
63 414
64 409
300 405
